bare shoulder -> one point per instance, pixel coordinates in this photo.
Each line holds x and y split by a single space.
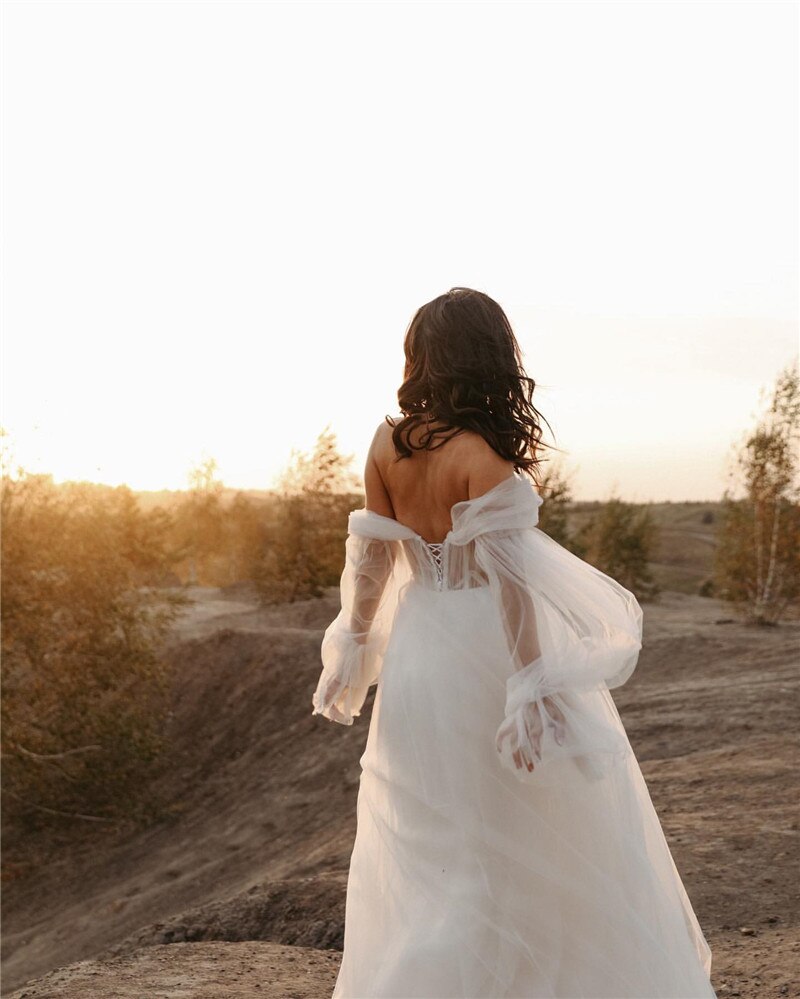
485 467
376 494
381 446
473 461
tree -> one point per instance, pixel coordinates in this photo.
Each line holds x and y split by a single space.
304 550
245 537
200 524
556 493
618 540
83 616
757 564
324 472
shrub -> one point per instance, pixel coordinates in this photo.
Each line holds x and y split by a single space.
618 540
83 617
304 544
556 494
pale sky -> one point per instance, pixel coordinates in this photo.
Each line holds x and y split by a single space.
220 217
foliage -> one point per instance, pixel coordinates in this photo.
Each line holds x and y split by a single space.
83 617
324 472
304 549
618 540
290 545
200 525
220 541
758 550
556 493
245 539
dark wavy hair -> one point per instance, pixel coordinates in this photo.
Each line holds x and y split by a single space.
464 369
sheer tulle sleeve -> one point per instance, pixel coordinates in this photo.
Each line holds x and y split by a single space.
572 633
355 641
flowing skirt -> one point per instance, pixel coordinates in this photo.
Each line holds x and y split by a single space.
466 882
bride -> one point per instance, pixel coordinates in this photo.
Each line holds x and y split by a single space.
506 842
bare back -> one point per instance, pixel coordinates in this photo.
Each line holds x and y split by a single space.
420 491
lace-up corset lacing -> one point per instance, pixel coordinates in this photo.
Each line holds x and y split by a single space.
435 548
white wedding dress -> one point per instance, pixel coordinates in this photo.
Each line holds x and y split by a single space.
471 877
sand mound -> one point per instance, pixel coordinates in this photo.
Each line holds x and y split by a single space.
308 912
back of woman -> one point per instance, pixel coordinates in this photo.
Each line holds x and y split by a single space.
422 489
506 843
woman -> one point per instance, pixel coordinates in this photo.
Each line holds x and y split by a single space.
506 842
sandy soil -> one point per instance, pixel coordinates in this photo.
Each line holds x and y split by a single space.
240 889
221 970
196 971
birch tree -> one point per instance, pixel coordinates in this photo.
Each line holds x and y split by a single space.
758 544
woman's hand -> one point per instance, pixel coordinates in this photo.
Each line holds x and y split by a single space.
534 717
333 690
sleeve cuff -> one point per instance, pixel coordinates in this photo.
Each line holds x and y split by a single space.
343 683
548 728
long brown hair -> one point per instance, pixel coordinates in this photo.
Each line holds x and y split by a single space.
464 369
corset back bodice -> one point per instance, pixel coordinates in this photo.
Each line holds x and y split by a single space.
451 564
443 565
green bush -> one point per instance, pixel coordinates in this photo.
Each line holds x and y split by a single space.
83 617
618 540
304 546
556 493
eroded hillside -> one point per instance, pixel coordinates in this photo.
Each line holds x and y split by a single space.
242 886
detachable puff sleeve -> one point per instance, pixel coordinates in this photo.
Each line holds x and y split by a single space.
354 643
572 633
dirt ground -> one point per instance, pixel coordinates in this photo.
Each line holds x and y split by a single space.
239 890
196 971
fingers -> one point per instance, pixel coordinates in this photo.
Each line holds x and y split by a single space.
559 732
506 731
519 754
559 722
522 759
524 733
533 727
554 718
536 719
333 693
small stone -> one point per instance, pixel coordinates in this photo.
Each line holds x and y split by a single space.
747 931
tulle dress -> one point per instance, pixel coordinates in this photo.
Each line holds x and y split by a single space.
470 876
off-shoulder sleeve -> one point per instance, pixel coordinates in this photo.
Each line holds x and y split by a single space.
355 641
572 633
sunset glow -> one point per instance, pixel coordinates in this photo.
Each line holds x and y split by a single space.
220 217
